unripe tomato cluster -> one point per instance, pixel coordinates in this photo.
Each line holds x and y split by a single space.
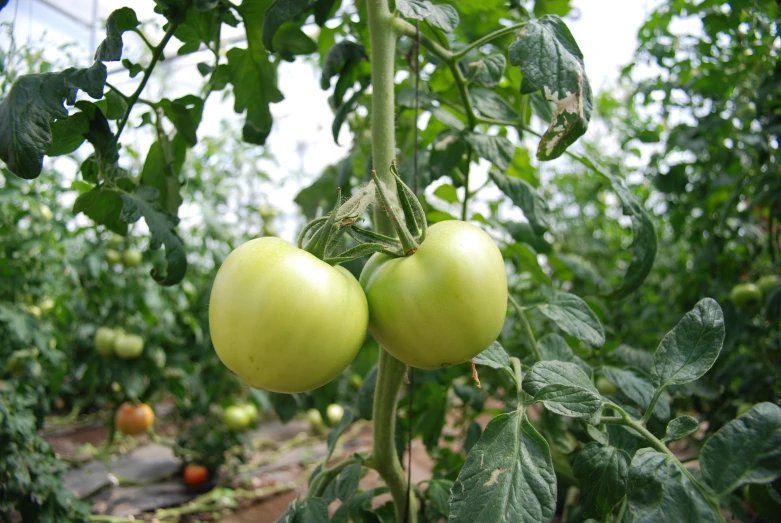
116 253
239 417
286 321
117 342
750 295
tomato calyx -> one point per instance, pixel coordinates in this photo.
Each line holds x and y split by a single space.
326 232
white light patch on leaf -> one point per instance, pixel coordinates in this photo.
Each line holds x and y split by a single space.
494 477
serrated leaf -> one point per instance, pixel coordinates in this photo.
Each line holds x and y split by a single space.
254 88
575 402
657 490
347 484
199 27
161 170
574 317
119 21
526 198
185 113
99 135
441 16
745 450
496 149
278 13
681 427
494 356
162 225
28 109
639 390
552 63
545 373
492 105
290 41
103 206
488 70
689 350
508 476
602 473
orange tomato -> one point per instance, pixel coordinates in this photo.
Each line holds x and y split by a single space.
195 474
133 419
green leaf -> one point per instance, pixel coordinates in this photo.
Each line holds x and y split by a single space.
205 5
438 493
552 63
745 450
551 7
447 153
344 110
691 348
544 373
644 244
309 510
575 402
495 357
28 109
68 134
162 166
680 427
657 490
488 70
526 198
116 105
290 41
162 225
185 113
447 193
103 206
441 16
99 135
347 484
574 317
340 57
119 21
285 405
492 105
366 394
602 473
132 69
508 476
639 390
254 88
199 27
496 149
278 13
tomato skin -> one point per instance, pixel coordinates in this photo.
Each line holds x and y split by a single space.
282 319
133 419
113 257
236 418
315 419
128 346
131 258
105 338
745 295
442 305
251 410
335 413
195 474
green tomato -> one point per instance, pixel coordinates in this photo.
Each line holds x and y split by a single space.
131 258
315 419
745 295
442 305
236 418
113 257
605 386
765 283
105 338
116 241
128 346
251 410
335 413
282 319
46 213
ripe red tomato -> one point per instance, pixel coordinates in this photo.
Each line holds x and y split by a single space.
195 474
133 419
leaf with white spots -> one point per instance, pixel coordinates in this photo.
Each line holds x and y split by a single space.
508 476
552 63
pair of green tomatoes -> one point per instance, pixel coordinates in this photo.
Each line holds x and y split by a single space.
286 321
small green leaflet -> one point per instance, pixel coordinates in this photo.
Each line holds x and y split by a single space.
526 198
441 16
575 402
508 476
339 429
280 12
602 473
657 490
488 70
119 21
691 348
745 450
562 80
27 111
309 510
638 389
680 427
496 149
495 357
340 57
574 317
492 105
347 484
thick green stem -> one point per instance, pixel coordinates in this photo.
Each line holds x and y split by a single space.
390 376
390 372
